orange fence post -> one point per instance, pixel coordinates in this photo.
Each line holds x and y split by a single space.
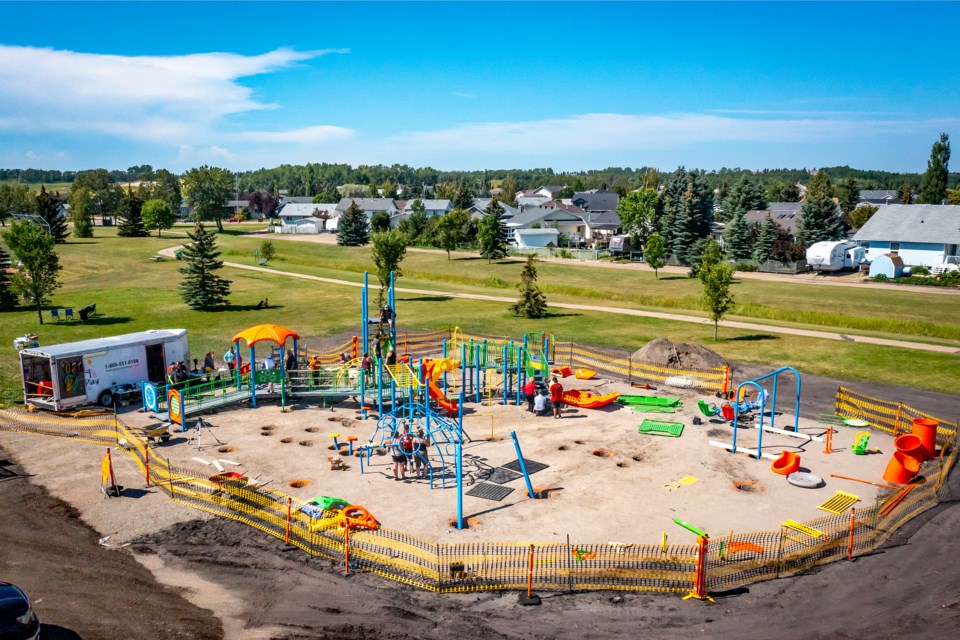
700 574
828 448
346 551
355 347
852 525
896 424
286 539
726 379
529 598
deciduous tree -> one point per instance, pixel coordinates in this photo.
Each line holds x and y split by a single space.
202 288
38 266
14 198
208 189
860 215
389 248
8 295
654 253
158 215
81 204
716 279
638 214
380 221
531 303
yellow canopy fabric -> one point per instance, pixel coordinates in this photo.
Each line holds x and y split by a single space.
272 332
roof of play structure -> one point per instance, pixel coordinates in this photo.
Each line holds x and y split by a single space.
273 332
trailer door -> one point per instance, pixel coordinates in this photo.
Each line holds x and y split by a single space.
156 363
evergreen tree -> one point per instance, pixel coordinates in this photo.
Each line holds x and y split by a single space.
654 253
81 204
49 210
737 238
744 196
671 199
39 267
818 216
905 193
380 221
763 247
860 215
130 217
790 193
933 187
532 303
462 198
692 218
353 230
201 288
8 297
492 233
848 193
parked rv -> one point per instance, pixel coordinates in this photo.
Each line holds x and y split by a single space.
835 255
95 371
620 245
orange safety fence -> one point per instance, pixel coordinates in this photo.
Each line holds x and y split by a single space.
732 560
893 417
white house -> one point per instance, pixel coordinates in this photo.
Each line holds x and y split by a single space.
432 209
535 238
920 234
301 216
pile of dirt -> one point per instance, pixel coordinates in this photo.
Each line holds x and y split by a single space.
686 355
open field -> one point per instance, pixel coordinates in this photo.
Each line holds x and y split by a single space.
98 271
51 187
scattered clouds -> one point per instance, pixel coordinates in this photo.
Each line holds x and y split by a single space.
321 133
165 99
188 154
463 94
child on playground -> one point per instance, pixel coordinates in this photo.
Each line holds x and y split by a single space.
422 459
403 444
315 369
366 364
529 392
556 397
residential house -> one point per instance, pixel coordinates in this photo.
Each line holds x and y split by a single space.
369 206
785 214
879 197
920 234
295 200
477 209
235 207
432 208
300 216
535 238
579 227
596 200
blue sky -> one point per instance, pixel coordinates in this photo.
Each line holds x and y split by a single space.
477 85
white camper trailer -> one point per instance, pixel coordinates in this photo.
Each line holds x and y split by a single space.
835 255
94 371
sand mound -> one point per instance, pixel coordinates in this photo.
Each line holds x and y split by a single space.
688 355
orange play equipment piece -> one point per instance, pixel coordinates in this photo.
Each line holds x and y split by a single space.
901 468
585 374
926 430
787 463
733 547
356 517
911 445
563 371
435 392
726 410
587 400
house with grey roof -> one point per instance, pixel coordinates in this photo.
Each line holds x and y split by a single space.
478 208
589 225
921 234
369 206
432 209
307 217
596 200
785 214
879 196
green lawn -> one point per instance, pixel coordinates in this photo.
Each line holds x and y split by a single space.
133 293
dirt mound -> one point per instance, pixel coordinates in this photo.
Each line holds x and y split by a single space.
687 355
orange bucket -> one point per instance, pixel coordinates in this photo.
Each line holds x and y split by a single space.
926 429
901 468
911 445
787 463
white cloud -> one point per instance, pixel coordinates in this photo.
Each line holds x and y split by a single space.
321 133
31 155
164 99
610 131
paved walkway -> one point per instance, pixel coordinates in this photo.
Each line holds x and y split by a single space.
749 326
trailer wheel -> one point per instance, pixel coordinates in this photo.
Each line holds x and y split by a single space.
105 399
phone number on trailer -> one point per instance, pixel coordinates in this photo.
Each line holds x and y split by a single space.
122 363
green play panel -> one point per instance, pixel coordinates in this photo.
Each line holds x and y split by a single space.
648 401
660 428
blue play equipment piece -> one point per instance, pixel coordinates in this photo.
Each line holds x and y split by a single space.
761 402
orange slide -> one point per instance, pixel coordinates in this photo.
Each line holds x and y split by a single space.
587 400
435 391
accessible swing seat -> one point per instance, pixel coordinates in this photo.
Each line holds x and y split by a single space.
708 408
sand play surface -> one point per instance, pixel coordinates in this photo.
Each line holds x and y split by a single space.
630 492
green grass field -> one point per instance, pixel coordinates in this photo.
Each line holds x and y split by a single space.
133 293
52 187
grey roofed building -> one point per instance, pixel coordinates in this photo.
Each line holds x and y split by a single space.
432 207
785 214
606 220
479 204
305 209
923 223
881 196
596 200
369 205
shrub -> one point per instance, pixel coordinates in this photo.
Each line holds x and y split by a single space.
919 271
880 277
748 266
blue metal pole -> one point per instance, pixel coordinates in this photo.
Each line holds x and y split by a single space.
283 380
459 452
253 378
363 399
523 465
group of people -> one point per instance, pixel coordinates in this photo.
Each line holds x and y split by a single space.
407 447
543 401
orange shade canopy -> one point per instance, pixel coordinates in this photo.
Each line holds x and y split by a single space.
272 332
